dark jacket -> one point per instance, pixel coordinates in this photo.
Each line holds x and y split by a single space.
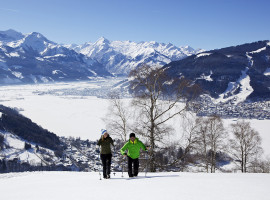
105 144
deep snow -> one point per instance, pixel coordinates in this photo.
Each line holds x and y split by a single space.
86 185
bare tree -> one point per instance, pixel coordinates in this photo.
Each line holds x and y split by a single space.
157 103
203 146
265 165
259 165
188 142
246 144
118 117
212 138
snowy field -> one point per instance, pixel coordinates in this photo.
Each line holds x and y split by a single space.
158 186
77 108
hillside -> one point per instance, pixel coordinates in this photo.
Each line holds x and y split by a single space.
234 74
25 146
13 122
85 186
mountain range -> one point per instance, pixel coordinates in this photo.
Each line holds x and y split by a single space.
119 57
32 58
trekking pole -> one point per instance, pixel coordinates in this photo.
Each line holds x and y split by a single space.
146 168
114 158
123 167
98 152
99 168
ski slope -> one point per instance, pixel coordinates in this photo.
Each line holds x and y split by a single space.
158 186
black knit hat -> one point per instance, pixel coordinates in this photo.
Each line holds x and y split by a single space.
131 135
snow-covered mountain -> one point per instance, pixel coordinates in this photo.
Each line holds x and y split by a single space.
121 56
233 74
32 58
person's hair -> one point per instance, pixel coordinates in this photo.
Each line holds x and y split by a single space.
132 135
102 137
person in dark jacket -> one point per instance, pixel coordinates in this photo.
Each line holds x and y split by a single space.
134 145
106 154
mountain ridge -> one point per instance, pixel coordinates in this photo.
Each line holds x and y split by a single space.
122 56
235 73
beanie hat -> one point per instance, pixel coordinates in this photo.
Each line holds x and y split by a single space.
131 135
103 131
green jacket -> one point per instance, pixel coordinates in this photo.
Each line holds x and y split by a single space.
133 148
105 145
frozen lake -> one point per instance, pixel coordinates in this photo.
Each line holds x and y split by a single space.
67 109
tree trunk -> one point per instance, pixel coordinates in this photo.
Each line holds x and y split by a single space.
152 147
245 164
242 163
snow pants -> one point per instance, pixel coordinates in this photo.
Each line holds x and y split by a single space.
106 162
135 163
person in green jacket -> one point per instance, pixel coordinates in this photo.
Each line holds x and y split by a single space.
106 154
134 145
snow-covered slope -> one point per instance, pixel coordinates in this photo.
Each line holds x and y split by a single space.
158 186
122 56
242 84
15 149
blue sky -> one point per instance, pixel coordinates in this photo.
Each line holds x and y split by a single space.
207 24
